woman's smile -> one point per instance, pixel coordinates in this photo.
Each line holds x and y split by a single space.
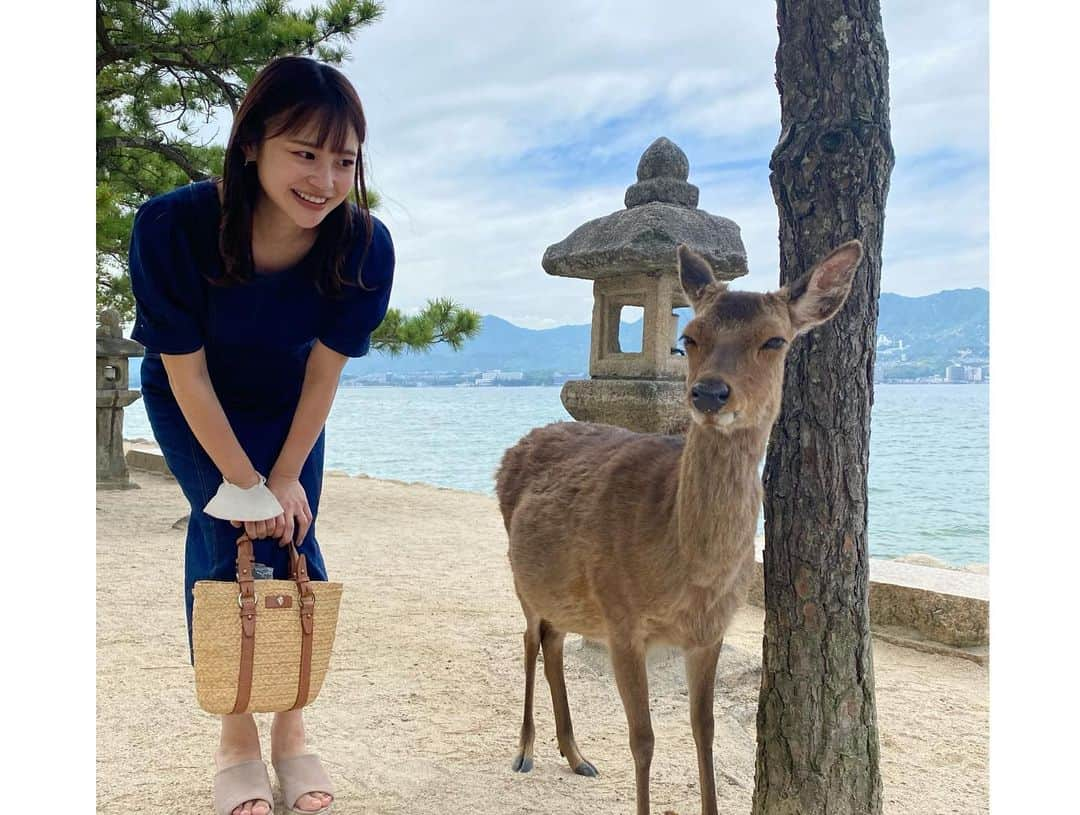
314 202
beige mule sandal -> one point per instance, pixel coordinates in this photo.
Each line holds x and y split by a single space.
246 781
299 776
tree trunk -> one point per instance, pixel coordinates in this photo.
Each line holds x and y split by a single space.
817 722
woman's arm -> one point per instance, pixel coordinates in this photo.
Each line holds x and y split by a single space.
194 393
321 378
190 384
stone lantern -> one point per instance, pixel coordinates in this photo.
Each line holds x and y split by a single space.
630 257
113 352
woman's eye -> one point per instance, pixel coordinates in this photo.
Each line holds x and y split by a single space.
348 162
305 154
687 341
774 343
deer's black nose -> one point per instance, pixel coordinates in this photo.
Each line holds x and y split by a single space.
709 396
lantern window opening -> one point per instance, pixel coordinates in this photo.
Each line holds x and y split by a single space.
612 329
680 316
631 333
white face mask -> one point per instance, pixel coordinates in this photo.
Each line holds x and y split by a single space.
233 503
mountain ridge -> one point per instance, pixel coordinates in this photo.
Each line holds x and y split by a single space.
921 336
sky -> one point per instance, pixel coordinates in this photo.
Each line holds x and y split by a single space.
497 128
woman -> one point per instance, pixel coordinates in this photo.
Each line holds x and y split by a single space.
251 293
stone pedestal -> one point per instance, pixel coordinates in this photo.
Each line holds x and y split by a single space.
642 405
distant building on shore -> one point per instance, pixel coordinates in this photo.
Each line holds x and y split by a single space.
496 376
966 373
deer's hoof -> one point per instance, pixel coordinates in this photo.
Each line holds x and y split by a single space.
522 764
586 768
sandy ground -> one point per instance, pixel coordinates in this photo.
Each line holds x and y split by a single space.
421 710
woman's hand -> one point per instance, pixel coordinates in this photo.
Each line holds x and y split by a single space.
242 497
270 528
291 527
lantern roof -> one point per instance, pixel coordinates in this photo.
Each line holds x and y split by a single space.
661 212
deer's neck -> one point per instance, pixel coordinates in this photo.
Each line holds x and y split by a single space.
719 494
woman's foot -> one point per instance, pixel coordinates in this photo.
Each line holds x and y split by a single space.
287 740
224 759
240 743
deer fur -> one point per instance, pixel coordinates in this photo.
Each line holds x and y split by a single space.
639 539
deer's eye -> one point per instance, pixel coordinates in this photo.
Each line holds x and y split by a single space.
773 344
687 341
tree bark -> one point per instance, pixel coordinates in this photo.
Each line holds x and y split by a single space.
817 722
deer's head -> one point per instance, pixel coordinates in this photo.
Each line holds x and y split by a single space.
737 341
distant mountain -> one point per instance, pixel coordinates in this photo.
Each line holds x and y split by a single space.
917 336
499 345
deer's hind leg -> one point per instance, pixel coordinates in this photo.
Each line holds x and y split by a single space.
552 642
523 761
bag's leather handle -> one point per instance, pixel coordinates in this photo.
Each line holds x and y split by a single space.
245 562
298 570
245 576
248 602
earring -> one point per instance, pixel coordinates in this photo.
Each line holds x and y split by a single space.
248 161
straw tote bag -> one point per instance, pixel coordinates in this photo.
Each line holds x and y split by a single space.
262 651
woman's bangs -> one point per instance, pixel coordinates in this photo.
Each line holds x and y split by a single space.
332 124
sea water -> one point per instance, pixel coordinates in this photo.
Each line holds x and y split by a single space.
929 452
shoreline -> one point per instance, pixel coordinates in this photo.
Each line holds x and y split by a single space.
916 557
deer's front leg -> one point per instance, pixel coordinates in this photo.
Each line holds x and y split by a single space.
628 662
700 680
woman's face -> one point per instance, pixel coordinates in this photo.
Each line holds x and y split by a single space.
305 181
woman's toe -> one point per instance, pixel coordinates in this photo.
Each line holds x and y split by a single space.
311 802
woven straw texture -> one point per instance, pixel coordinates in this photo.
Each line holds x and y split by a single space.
216 635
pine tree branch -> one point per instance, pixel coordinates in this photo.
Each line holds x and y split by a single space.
172 153
192 64
231 96
109 53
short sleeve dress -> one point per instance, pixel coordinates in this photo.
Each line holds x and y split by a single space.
256 337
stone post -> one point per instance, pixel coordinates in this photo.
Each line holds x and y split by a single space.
113 352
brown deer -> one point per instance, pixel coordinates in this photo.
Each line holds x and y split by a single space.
641 539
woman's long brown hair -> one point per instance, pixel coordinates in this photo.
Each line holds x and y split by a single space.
286 95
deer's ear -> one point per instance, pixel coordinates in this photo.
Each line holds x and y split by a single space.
695 275
818 295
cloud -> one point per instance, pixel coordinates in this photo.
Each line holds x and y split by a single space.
498 128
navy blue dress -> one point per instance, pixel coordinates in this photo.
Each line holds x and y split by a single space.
256 337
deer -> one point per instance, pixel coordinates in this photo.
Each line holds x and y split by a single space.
640 539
